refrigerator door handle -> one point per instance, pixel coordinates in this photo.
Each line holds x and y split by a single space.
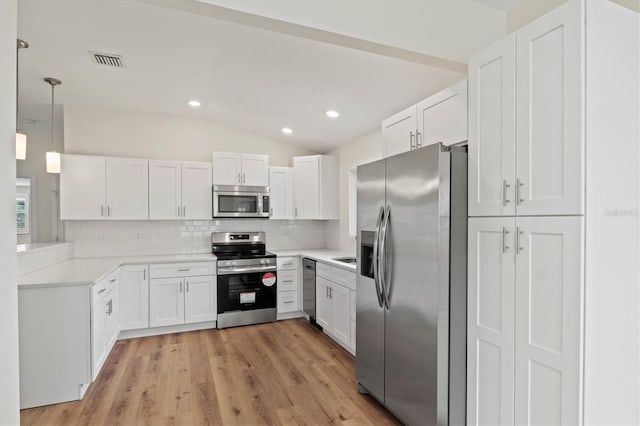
383 272
375 260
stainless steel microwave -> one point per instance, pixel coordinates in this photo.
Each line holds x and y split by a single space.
241 201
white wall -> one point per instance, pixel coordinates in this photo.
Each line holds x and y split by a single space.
9 384
362 150
126 133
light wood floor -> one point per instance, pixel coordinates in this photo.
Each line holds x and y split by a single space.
282 373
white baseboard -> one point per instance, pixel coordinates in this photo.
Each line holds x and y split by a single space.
157 331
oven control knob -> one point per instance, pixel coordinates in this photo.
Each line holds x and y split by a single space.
263 262
233 263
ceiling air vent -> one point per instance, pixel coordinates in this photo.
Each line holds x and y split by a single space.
107 59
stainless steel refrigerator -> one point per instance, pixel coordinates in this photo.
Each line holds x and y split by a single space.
412 284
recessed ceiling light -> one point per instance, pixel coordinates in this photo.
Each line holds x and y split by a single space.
194 103
332 113
287 130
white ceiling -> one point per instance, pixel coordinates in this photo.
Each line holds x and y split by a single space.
245 77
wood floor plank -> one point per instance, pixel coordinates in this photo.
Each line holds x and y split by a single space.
286 373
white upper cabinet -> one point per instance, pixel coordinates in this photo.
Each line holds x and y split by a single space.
543 172
196 190
443 117
83 187
281 184
179 190
316 187
550 148
255 170
94 187
240 169
227 168
492 145
127 188
399 132
165 189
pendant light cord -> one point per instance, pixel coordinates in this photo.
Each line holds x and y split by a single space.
52 105
21 44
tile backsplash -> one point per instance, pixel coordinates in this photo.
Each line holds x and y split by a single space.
124 238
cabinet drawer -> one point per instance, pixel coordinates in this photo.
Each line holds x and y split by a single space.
344 277
287 280
323 270
287 301
104 286
171 270
288 263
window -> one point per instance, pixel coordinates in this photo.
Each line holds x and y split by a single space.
22 213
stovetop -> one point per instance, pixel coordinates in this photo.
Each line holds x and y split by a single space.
239 245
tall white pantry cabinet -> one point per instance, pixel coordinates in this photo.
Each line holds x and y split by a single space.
554 189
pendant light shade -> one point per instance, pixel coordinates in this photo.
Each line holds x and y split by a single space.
21 146
53 162
53 157
21 138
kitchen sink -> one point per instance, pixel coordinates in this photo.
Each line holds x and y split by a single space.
347 260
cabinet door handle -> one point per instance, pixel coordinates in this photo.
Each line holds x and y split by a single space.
418 139
187 286
244 178
112 280
505 247
296 212
108 210
519 186
271 211
110 307
184 211
288 301
102 211
505 196
180 290
412 141
144 274
519 233
184 270
178 211
239 180
330 293
102 290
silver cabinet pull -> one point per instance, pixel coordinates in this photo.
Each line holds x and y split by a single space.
187 286
519 233
505 247
112 280
296 212
239 180
110 307
184 270
519 186
144 274
418 139
412 140
244 178
288 301
287 281
271 211
180 290
178 211
102 290
505 196
184 211
101 211
108 210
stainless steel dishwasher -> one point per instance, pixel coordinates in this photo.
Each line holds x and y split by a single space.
309 288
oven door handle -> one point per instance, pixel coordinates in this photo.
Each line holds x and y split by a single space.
235 270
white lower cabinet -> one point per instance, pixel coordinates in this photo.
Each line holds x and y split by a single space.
178 295
333 310
134 297
288 286
105 320
524 327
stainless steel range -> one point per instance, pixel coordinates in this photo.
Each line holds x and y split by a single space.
247 278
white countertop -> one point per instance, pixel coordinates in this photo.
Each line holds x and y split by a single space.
320 255
87 271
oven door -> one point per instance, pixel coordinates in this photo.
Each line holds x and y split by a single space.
247 291
233 202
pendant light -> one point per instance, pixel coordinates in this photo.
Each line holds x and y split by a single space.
21 138
53 157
